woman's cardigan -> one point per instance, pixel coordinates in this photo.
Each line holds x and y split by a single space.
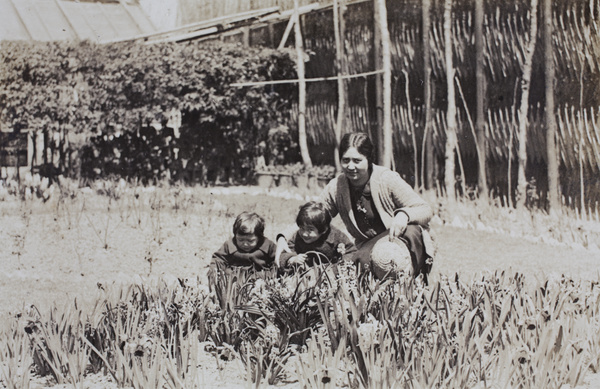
391 194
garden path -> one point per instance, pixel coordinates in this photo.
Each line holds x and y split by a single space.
469 252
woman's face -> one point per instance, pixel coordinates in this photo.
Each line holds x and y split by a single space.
355 166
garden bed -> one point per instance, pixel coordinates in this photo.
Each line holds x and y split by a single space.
135 241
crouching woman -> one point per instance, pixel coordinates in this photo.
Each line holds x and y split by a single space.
376 203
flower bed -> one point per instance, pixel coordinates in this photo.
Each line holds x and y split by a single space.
329 324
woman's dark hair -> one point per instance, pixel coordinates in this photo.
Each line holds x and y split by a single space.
361 142
249 223
315 214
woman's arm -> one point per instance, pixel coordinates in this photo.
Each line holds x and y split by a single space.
407 203
327 197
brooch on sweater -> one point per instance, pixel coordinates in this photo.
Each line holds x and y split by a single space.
360 208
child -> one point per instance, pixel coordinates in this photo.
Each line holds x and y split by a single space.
248 246
316 241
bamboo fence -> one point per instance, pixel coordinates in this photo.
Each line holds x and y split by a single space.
577 50
576 42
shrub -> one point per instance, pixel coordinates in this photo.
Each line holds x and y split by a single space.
163 110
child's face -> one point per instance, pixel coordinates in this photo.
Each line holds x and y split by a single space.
309 234
246 242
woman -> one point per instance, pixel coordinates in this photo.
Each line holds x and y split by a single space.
375 202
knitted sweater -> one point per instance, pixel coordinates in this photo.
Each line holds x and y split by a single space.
391 194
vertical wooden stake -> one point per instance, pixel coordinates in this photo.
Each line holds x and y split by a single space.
524 107
386 59
550 119
480 139
302 141
427 157
451 141
341 87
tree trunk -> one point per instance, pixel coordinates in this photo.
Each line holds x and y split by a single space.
386 59
481 101
427 157
451 141
302 141
339 53
524 108
551 154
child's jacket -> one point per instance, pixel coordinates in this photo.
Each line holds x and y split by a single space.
333 245
231 256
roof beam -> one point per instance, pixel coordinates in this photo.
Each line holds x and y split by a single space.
287 31
188 30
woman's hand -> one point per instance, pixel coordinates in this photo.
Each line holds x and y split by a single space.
399 225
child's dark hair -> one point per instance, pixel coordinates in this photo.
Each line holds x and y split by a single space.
249 223
315 214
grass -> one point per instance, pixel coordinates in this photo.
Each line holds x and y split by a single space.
118 279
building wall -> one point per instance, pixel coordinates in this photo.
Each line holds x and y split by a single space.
199 10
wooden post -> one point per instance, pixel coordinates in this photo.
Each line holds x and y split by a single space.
246 36
30 149
427 157
451 141
524 108
550 119
378 81
386 59
302 141
481 100
417 185
271 34
341 87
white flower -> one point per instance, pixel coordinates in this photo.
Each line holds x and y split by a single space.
287 289
259 292
368 333
274 353
271 334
